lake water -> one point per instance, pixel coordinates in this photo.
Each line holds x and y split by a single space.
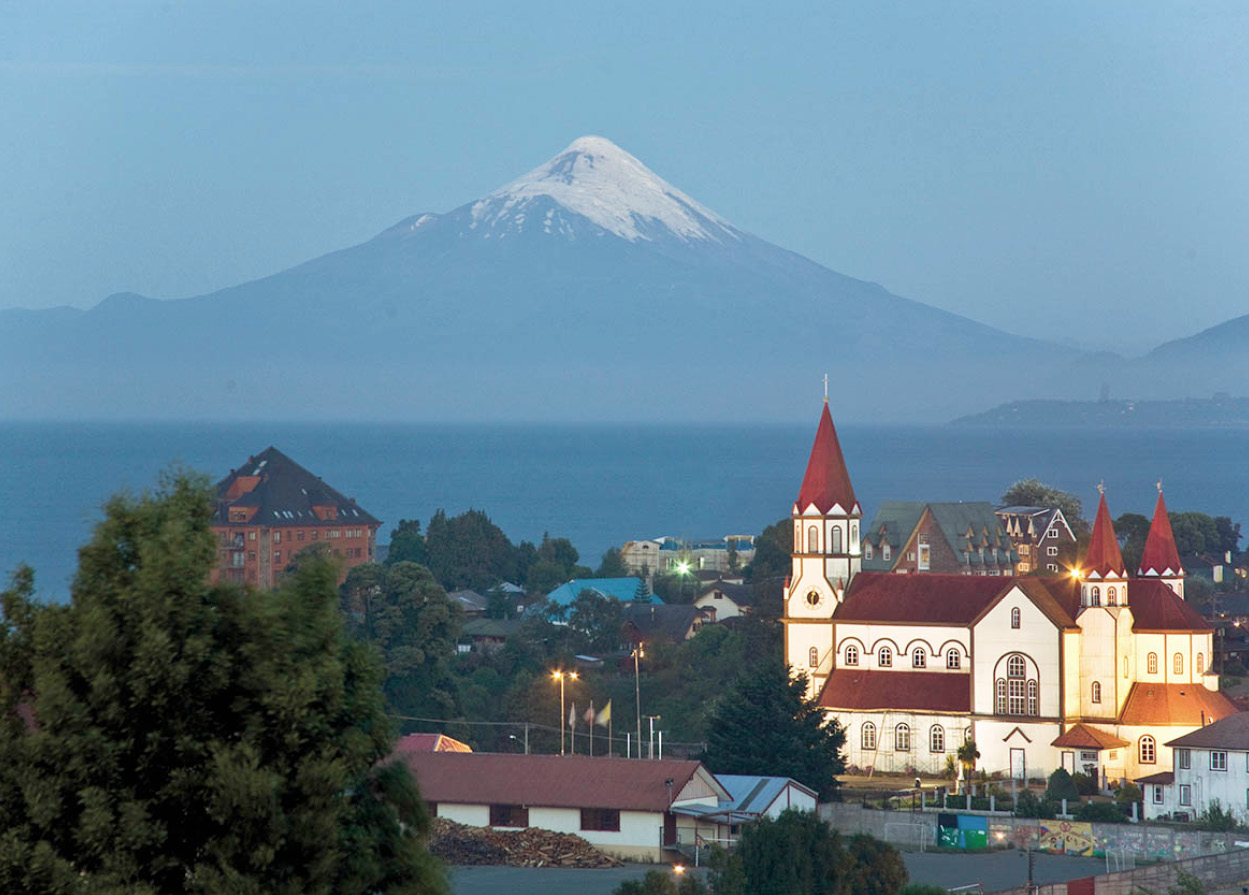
599 485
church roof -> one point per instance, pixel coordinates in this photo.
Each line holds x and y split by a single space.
1181 705
944 599
1155 607
827 482
1081 736
1160 556
923 691
1103 558
283 493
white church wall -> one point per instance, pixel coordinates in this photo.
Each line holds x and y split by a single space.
1036 638
1018 746
1098 660
920 757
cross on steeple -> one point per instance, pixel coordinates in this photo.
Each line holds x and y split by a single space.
825 388
1101 487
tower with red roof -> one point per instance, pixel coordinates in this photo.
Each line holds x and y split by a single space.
1160 558
826 554
1103 574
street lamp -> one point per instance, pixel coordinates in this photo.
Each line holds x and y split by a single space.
638 653
562 676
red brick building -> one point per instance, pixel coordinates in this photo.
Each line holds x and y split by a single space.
272 508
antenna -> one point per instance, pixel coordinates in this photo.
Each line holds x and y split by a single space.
825 388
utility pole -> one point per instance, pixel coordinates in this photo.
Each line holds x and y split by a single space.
638 653
650 746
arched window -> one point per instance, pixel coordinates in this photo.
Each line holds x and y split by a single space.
936 738
1097 691
952 658
1125 668
813 539
869 735
1017 694
1095 596
1033 707
884 658
836 539
813 657
852 655
1177 663
1001 696
1201 664
1015 666
1149 751
1014 617
902 738
1151 663
1112 597
918 659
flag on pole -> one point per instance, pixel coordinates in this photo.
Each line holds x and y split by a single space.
572 715
589 716
603 718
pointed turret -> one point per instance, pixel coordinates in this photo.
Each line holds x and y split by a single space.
1160 558
1103 563
827 482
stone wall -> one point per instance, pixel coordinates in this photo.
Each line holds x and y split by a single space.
1213 870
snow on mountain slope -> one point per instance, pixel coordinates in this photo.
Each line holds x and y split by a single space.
598 180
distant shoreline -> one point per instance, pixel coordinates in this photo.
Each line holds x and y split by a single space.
1219 412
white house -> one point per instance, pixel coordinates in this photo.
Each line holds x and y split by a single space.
725 599
1209 764
1092 671
629 808
750 798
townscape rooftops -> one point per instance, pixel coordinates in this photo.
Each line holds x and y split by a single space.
652 621
1231 732
552 781
622 589
966 526
921 691
827 481
1187 705
1160 557
468 600
1103 558
491 627
283 493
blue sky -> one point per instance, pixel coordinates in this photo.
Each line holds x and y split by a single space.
1074 170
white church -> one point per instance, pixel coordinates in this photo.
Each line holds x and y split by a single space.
1093 671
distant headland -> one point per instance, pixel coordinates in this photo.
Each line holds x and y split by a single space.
1221 411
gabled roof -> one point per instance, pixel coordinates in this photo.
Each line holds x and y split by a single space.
1081 736
750 794
939 599
469 600
1160 556
1155 607
1103 559
1181 705
1163 778
1231 732
554 781
622 589
491 627
967 526
282 493
430 742
741 594
827 482
922 691
659 622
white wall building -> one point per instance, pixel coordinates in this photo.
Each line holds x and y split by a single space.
1208 765
1094 671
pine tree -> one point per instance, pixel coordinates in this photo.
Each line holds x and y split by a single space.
162 735
767 725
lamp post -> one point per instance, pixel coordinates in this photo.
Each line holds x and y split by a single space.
562 676
638 653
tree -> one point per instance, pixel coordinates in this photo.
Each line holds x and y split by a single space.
1195 533
184 737
772 551
1229 534
468 551
793 854
407 544
598 618
613 565
1132 529
543 577
662 882
766 724
968 755
874 868
1060 787
1035 493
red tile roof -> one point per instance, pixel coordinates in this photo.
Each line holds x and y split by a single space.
1188 705
1160 556
553 781
1103 557
924 691
949 599
1081 736
827 483
430 742
1156 608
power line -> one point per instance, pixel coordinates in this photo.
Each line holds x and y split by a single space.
534 726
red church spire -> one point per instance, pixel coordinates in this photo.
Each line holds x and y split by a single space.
1160 557
1103 559
827 483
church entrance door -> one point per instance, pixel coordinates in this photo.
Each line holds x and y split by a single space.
1018 764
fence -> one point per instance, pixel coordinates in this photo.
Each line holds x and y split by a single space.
1212 870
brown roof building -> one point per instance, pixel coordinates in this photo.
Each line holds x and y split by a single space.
271 508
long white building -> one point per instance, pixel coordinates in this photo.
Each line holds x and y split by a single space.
1094 671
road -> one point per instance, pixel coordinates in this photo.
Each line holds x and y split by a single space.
994 870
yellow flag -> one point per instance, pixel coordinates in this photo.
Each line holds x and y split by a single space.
604 717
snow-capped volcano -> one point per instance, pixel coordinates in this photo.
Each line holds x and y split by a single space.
598 180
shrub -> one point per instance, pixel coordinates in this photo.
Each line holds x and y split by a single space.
1086 784
1217 819
1028 805
1060 787
1101 812
921 889
1234 668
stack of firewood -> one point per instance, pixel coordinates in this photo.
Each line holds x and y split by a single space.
457 844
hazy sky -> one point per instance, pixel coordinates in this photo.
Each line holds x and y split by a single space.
1070 169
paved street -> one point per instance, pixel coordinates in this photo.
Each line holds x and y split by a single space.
998 870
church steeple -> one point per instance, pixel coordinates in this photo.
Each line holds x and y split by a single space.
826 485
1160 558
1103 571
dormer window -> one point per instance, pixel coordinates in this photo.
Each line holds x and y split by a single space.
867 550
885 552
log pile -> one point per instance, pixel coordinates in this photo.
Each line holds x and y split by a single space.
462 845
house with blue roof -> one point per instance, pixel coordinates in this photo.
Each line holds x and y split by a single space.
750 797
625 590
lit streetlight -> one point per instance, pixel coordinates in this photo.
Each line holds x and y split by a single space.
638 653
562 676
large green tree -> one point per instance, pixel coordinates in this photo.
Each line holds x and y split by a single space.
766 724
407 544
598 619
163 735
1035 493
772 551
468 551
